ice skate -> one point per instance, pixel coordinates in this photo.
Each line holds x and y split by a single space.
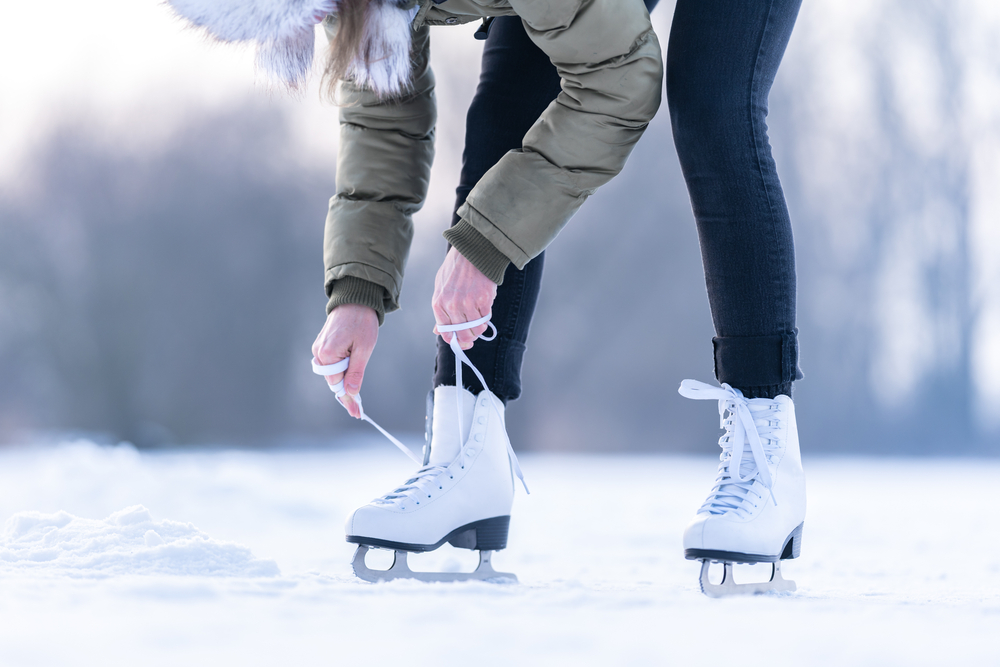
755 511
462 494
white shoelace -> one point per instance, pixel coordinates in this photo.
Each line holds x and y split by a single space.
414 487
460 359
338 389
745 425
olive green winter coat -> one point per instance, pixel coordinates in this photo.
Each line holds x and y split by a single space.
609 59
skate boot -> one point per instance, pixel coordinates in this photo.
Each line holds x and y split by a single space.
463 491
755 511
462 495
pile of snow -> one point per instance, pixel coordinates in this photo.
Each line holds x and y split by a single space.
129 542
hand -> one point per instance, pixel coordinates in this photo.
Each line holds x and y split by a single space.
350 331
461 294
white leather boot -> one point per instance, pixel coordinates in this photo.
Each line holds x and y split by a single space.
463 495
757 506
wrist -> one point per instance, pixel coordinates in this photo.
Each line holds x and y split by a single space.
356 291
476 248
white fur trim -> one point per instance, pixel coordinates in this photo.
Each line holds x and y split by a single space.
283 29
387 41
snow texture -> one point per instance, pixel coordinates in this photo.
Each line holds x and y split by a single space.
900 565
127 542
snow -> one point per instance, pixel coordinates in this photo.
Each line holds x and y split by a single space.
111 556
127 542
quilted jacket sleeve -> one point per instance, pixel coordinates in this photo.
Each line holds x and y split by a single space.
383 169
609 59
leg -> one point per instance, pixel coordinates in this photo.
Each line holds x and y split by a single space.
721 61
516 84
448 500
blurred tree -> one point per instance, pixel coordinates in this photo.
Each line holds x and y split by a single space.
156 297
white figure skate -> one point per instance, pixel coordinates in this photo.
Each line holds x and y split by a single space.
462 493
756 509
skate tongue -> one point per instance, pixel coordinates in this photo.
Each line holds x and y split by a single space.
460 359
747 469
446 442
747 465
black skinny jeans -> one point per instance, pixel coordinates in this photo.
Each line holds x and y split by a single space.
721 61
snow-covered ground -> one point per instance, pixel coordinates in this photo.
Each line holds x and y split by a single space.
110 556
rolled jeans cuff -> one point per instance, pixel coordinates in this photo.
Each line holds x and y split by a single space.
757 361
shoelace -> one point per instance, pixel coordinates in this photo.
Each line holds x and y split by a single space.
460 359
734 484
427 474
338 389
414 488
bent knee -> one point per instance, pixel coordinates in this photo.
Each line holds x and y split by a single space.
709 112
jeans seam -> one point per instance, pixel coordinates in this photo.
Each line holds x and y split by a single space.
753 98
756 133
500 361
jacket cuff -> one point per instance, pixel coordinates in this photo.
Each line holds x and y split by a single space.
358 291
477 249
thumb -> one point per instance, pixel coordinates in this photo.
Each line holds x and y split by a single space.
356 371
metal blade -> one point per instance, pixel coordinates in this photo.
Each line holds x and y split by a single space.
400 570
728 586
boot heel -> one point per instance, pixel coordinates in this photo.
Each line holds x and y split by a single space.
793 547
491 534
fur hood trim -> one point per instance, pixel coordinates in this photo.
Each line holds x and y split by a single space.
284 34
386 46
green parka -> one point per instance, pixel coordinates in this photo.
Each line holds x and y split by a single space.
609 59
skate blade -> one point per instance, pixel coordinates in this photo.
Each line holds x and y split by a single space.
728 586
400 570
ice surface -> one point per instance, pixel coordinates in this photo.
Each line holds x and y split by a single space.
110 556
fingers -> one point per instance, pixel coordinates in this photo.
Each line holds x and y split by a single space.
352 407
355 374
476 332
327 353
461 294
332 380
466 337
350 331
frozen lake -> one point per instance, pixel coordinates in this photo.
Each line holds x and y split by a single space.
239 558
